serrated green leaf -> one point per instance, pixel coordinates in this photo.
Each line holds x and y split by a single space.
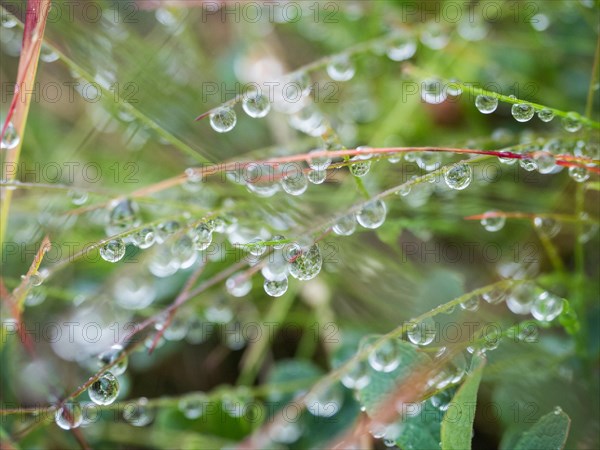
457 426
550 432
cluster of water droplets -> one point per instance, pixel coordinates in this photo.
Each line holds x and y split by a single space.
524 112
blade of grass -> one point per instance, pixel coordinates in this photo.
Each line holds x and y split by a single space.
35 24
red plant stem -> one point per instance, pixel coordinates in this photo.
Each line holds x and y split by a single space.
275 162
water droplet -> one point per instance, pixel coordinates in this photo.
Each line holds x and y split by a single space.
198 331
527 332
319 162
547 225
219 312
357 377
302 82
11 138
459 176
345 226
394 158
217 224
435 36
579 174
193 406
260 179
472 30
433 91
305 264
123 215
404 190
493 223
193 180
520 298
234 403
77 196
486 104
492 341
589 229
572 122
522 112
547 307
276 268
528 164
177 329
113 250
429 161
201 235
165 230
35 279
256 105
540 22
326 402
402 48
471 304
134 293
47 54
69 415
372 214
278 238
223 119
341 68
110 356
138 413
494 296
184 255
294 182
360 168
104 390
422 333
7 21
545 115
35 297
546 162
256 247
317 176
386 357
285 432
143 238
238 284
454 88
276 288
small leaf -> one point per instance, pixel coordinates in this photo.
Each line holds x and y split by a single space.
550 432
457 425
382 384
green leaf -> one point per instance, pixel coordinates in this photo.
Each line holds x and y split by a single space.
421 430
382 384
550 432
457 425
293 372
